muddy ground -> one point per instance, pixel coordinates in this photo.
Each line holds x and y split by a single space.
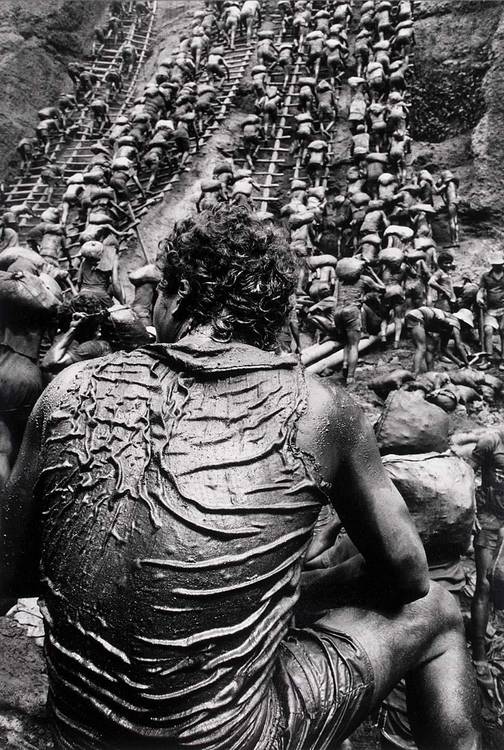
458 101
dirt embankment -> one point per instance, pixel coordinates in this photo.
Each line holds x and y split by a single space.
458 103
37 40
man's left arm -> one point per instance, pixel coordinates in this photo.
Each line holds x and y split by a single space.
19 532
20 508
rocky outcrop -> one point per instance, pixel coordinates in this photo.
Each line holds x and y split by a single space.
458 102
487 185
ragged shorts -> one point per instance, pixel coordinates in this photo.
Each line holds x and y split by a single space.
489 535
324 683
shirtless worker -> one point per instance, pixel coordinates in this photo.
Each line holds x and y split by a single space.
266 52
447 187
490 298
250 16
44 131
169 614
489 456
441 282
268 107
327 107
252 135
425 322
129 56
26 308
345 311
216 66
285 61
100 114
51 175
25 151
231 21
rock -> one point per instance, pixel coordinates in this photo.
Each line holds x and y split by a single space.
23 690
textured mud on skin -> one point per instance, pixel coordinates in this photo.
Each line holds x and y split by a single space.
180 544
475 155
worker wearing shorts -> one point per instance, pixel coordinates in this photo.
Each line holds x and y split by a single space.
347 319
489 455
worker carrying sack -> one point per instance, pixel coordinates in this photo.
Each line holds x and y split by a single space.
409 424
24 293
349 269
440 494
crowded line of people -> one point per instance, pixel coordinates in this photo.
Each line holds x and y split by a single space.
92 90
368 256
368 253
76 245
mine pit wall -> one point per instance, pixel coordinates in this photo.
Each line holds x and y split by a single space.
38 38
487 187
458 104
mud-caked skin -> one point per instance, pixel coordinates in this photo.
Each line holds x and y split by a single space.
170 497
167 504
171 567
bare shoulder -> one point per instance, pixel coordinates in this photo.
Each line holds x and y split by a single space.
332 426
59 387
330 402
72 378
56 392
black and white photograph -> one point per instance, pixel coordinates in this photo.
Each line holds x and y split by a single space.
252 375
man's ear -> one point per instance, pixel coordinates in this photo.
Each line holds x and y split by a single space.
182 294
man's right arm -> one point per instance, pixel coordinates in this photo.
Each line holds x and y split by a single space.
484 449
369 506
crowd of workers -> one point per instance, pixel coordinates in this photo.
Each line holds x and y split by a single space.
368 259
368 253
75 245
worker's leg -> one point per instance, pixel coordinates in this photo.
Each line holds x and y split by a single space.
398 324
488 332
501 335
480 606
420 340
353 334
423 641
7 450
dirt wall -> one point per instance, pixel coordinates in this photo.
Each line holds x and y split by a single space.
37 40
458 103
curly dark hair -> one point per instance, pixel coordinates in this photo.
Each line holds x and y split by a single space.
240 271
